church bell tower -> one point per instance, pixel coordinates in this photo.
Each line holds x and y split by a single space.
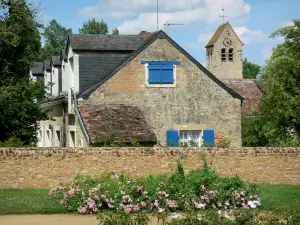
224 53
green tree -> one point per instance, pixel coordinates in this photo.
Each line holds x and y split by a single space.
94 27
56 37
280 105
115 31
250 70
19 48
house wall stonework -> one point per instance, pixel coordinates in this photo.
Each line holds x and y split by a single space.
226 69
47 167
196 99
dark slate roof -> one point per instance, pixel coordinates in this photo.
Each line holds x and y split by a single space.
126 123
47 65
93 68
105 42
150 40
216 35
248 89
37 68
55 60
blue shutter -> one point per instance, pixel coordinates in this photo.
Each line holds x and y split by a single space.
209 137
154 74
167 74
172 138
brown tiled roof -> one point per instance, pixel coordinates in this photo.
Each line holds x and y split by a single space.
126 123
216 35
250 91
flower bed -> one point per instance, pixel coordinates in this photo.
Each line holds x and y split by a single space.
198 190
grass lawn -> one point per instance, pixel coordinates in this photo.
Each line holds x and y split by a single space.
280 197
37 201
29 201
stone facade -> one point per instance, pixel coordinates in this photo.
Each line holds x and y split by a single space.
47 167
195 99
226 39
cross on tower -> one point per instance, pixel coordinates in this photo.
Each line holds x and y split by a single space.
223 16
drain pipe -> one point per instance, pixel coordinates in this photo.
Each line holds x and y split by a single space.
85 133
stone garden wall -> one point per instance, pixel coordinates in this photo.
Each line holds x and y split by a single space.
46 167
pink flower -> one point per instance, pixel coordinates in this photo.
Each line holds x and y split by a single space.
82 210
156 204
139 188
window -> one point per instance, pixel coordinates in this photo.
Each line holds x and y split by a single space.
160 73
48 138
231 54
223 55
57 137
40 138
72 139
190 138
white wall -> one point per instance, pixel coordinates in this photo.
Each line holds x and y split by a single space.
55 88
47 81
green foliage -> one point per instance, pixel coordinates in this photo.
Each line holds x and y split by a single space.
280 105
94 27
19 48
225 142
253 134
106 140
115 31
56 37
111 218
250 70
12 142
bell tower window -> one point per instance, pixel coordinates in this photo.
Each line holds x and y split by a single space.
223 54
231 54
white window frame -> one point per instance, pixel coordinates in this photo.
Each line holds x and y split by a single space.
160 85
57 139
72 128
189 137
48 140
40 137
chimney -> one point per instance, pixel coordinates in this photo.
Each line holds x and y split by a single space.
145 33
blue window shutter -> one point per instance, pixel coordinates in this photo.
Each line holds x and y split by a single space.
167 74
172 138
209 137
154 74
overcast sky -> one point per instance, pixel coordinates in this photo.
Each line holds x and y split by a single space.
253 20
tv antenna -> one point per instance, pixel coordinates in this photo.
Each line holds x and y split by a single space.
157 16
172 24
223 16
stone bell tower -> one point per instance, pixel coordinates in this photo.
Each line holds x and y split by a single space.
224 54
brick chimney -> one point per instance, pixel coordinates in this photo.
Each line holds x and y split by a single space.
145 33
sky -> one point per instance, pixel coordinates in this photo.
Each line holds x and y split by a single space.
252 20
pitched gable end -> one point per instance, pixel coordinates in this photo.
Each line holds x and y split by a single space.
155 36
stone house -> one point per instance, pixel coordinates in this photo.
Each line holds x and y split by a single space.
143 88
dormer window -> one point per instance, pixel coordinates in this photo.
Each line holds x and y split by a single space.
223 54
231 54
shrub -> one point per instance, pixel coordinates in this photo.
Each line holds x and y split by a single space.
198 190
224 143
12 142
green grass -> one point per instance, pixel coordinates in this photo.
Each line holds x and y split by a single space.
37 201
29 201
280 197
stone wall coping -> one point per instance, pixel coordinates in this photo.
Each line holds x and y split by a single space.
146 151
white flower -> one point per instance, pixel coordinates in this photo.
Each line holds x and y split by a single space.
219 212
257 203
176 215
251 204
161 210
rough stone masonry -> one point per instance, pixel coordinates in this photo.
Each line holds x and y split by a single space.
47 167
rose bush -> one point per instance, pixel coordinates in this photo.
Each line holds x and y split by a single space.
198 190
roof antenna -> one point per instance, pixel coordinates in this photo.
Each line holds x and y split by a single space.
172 24
223 16
157 15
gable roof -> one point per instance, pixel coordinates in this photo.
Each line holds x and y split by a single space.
161 35
96 42
250 90
126 123
37 68
47 65
55 60
218 33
